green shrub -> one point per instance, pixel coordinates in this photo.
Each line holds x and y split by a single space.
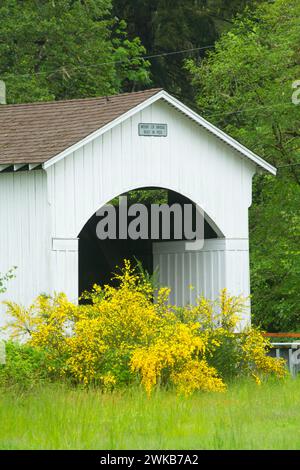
122 336
24 367
227 357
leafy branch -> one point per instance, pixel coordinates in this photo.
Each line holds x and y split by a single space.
4 278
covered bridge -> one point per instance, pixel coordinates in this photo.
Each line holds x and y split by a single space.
62 161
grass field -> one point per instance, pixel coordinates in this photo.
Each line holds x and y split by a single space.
245 417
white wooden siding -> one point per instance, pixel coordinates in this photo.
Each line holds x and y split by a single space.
191 271
190 161
24 235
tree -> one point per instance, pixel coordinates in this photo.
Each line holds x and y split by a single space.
245 87
165 26
275 254
66 49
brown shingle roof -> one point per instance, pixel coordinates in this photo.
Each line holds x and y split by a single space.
34 133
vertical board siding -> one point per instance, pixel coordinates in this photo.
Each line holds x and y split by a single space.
191 273
189 160
24 235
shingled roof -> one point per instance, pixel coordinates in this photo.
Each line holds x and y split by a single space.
45 132
34 133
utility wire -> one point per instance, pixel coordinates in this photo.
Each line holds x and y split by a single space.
288 166
145 57
222 113
154 56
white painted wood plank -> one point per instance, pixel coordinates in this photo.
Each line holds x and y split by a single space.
65 244
23 212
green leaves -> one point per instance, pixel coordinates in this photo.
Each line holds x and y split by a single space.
66 49
24 368
245 87
4 278
275 254
171 26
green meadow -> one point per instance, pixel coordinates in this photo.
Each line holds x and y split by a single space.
247 416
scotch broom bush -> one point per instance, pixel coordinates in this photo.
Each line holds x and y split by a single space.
123 336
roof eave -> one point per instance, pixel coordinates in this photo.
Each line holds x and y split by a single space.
17 166
222 135
103 129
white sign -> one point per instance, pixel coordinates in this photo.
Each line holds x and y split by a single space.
151 129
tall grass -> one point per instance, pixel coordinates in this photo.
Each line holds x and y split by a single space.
245 417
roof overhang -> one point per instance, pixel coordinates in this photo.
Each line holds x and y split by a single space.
9 167
256 159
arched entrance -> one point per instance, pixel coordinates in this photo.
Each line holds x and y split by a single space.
99 258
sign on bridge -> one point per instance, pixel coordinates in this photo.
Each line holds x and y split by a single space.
152 129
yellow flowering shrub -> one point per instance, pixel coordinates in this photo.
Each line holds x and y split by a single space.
254 346
197 375
170 353
121 335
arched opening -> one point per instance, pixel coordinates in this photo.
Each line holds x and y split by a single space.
98 258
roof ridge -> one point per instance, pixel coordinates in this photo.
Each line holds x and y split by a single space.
92 98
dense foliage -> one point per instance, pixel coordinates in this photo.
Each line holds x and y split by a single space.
122 337
70 49
245 87
24 367
66 49
165 26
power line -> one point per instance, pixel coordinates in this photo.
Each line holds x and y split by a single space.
254 109
153 56
148 57
221 113
145 57
288 166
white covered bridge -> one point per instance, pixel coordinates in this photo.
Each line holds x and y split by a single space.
62 161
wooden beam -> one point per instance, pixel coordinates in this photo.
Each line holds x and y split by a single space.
3 167
33 165
18 166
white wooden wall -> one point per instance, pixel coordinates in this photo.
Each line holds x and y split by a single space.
219 263
24 235
180 267
189 160
44 212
